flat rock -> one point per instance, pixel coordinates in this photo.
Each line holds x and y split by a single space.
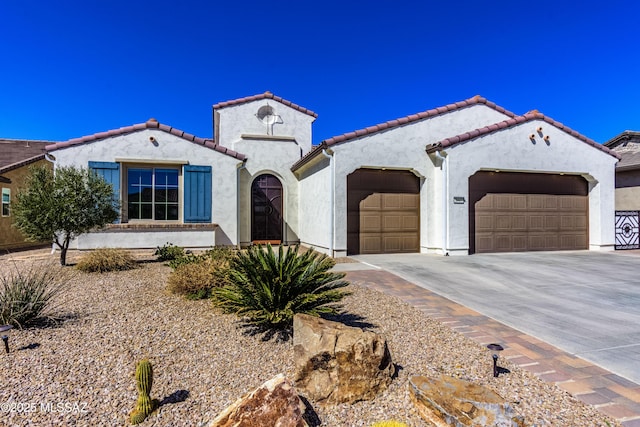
336 363
275 403
449 401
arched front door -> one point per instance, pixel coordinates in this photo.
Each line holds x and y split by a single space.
266 209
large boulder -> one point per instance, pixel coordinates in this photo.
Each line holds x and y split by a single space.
336 363
274 403
449 401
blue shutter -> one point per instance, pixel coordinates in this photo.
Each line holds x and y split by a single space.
110 172
197 193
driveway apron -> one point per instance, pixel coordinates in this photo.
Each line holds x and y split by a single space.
585 303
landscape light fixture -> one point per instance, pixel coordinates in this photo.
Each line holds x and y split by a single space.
495 347
5 338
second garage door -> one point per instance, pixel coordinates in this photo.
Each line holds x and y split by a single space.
383 212
516 212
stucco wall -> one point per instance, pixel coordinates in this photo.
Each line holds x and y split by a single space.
512 150
315 206
628 190
237 120
404 148
275 157
168 148
11 237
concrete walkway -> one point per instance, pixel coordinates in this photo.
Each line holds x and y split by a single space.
614 394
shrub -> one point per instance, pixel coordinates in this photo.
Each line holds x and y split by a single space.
169 252
106 259
185 259
269 288
196 280
220 253
26 296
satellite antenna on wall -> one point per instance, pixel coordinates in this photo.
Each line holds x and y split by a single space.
267 116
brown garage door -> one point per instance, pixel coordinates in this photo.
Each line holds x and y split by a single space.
522 221
383 212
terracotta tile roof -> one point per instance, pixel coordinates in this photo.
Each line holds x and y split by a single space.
16 165
532 115
626 136
15 150
628 161
149 124
627 145
266 95
396 123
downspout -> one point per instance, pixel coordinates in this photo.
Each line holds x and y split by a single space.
240 166
332 163
48 157
445 207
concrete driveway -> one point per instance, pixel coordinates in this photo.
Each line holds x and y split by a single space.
585 303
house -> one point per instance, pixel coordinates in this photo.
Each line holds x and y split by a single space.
16 156
463 178
627 146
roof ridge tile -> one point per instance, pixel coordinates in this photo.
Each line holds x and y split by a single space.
149 124
477 99
265 95
505 124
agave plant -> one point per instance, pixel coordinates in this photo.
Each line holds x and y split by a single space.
269 288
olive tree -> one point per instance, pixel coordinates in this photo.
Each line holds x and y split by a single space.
61 206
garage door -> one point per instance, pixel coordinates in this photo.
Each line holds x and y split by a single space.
383 212
531 219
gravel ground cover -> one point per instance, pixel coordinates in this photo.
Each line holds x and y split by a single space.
79 372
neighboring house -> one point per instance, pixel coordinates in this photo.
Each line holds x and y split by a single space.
464 178
627 146
16 156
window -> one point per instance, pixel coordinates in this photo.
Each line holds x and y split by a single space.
6 200
159 193
152 194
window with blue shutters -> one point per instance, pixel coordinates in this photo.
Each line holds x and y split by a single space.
110 172
197 193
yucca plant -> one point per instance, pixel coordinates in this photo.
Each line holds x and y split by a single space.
269 288
27 296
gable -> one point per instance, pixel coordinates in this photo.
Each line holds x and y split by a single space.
152 124
510 123
495 113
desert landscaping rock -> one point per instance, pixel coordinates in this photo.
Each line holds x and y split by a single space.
80 372
448 401
336 363
274 403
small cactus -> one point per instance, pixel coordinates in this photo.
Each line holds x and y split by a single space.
144 381
390 423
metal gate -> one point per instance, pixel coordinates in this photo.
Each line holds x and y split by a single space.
627 231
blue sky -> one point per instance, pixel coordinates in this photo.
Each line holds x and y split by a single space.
71 68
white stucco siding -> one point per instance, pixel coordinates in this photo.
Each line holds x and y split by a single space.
513 150
168 148
403 147
275 158
315 226
238 120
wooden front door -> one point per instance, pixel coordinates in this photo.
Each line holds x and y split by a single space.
266 209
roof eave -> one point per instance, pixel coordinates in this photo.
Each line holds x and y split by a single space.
21 163
265 95
515 121
149 124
